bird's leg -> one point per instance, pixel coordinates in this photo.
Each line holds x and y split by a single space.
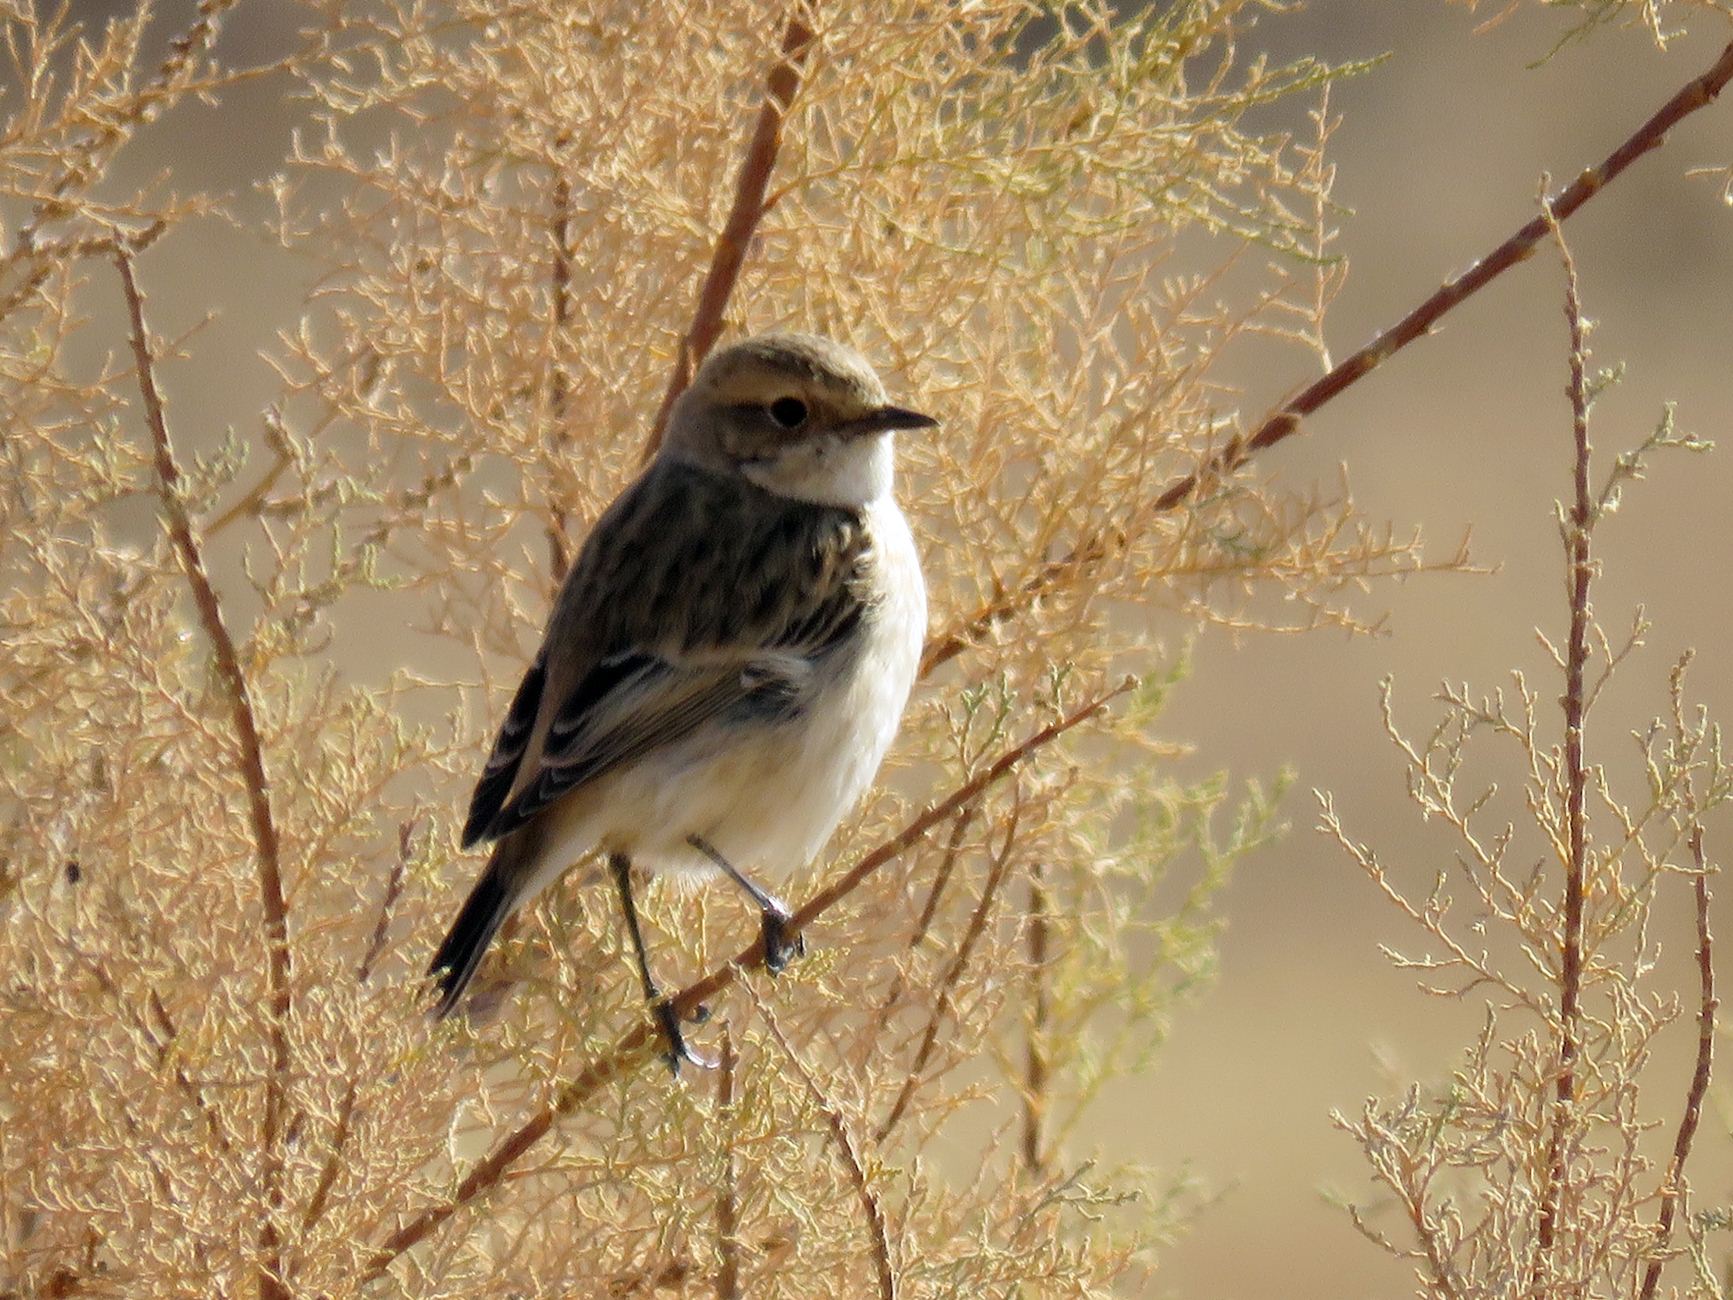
666 1015
779 948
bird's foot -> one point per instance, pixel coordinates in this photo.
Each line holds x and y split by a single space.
668 1016
779 946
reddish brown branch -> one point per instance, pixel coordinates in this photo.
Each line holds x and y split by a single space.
249 753
633 1049
1578 530
942 877
393 891
1673 1190
748 210
320 1201
728 1197
1285 422
1035 1064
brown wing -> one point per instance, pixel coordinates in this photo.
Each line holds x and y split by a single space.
697 600
508 751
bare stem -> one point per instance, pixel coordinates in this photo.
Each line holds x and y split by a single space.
635 1047
161 1039
727 1199
1673 1190
165 1045
249 753
1036 1065
320 1201
254 497
1097 548
748 210
1578 530
393 891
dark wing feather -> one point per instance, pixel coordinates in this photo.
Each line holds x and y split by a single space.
660 705
651 654
508 752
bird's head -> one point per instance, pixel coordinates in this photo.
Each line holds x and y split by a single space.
797 414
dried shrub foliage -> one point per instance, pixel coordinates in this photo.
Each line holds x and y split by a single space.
1553 1160
220 1073
1662 19
225 863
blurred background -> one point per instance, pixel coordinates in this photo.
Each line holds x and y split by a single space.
1439 154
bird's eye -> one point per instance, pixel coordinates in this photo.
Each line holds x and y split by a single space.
789 412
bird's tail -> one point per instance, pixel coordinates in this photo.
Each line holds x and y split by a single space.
495 896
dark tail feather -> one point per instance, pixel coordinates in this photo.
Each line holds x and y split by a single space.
486 908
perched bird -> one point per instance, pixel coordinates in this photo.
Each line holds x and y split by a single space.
726 663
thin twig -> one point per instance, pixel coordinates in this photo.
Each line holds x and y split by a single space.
213 1119
254 497
393 890
941 878
1035 1066
250 756
727 1199
748 210
635 1047
320 1201
846 1147
1673 1189
1578 526
1097 548
161 1040
85 159
953 973
50 253
254 501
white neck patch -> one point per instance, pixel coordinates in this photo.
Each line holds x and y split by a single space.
834 472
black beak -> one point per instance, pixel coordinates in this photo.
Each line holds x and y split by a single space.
894 417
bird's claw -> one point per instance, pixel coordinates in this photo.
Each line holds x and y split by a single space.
779 948
678 1050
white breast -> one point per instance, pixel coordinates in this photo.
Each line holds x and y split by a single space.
852 725
775 805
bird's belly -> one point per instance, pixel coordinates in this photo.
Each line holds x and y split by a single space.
769 806
769 803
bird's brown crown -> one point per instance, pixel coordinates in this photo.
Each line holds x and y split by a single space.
832 384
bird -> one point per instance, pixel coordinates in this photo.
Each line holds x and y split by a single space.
726 662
